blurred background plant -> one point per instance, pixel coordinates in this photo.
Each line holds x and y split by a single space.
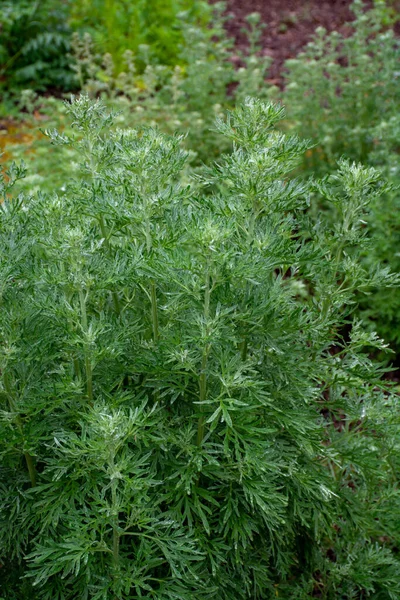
185 97
340 88
343 92
35 35
120 25
34 44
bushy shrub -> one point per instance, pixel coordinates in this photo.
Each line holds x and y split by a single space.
184 98
188 408
383 307
35 36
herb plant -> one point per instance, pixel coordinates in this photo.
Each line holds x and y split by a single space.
188 409
341 88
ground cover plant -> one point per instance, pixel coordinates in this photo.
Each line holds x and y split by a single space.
188 407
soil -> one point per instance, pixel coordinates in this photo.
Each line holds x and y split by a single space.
290 24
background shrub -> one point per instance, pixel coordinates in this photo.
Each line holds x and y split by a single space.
344 93
185 98
35 36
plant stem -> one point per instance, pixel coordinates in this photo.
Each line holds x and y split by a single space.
104 233
31 468
204 358
153 292
244 349
115 526
154 313
28 458
250 237
77 369
115 546
88 366
202 397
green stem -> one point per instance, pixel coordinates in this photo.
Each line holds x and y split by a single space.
104 233
154 321
116 536
202 396
115 546
153 292
244 349
252 224
250 237
243 344
77 369
154 312
88 366
31 468
89 386
204 358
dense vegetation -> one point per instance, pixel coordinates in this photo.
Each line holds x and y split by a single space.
36 36
194 401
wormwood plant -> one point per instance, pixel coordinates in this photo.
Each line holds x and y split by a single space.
383 308
179 419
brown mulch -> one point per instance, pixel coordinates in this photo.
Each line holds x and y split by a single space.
290 24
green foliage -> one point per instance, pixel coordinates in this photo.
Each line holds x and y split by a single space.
344 92
33 45
35 36
383 307
178 418
186 98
